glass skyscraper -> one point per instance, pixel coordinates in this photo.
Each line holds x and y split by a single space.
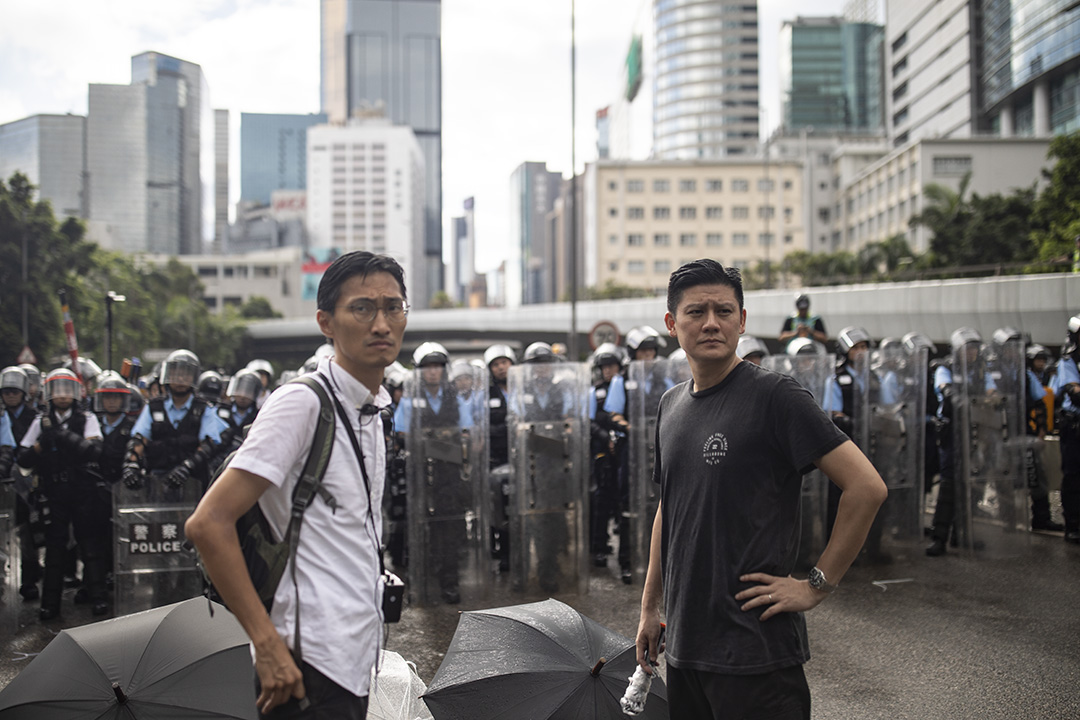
273 154
388 54
50 151
705 102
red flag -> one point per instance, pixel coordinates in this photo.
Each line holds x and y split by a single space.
69 334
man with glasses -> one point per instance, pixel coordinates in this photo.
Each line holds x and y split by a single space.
362 310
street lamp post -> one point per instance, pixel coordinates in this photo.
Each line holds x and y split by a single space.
110 298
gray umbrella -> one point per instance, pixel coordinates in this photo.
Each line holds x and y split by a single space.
170 662
540 660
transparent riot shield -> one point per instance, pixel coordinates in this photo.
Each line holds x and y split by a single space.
896 445
9 561
991 483
151 565
549 448
647 383
445 432
812 372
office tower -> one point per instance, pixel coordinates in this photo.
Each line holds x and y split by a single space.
221 181
150 159
830 75
706 79
365 191
273 154
530 276
51 152
464 263
387 54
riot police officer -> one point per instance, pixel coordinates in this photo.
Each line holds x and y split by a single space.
499 359
915 342
33 395
18 415
174 436
59 444
751 349
1036 424
113 400
210 386
239 411
1066 388
266 372
608 430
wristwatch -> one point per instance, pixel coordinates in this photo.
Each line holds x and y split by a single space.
818 582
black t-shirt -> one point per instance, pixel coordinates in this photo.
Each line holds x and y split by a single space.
730 461
813 321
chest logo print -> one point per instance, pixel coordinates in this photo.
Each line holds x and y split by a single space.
715 449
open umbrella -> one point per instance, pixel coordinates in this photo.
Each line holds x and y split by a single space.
395 693
174 661
540 660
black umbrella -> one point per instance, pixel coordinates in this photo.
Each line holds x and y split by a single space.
540 660
170 662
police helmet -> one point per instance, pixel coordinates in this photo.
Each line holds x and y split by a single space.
607 354
461 368
644 337
1005 335
915 341
245 383
497 351
110 384
14 377
210 386
890 352
62 383
181 366
678 367
430 353
1074 326
750 345
34 376
539 352
287 376
135 400
802 300
1035 351
394 376
962 336
851 336
262 366
804 346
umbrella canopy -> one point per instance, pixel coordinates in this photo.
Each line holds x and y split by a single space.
396 691
536 661
170 662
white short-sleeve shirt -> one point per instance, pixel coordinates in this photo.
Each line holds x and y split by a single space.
337 565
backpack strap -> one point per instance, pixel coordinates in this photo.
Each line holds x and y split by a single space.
307 486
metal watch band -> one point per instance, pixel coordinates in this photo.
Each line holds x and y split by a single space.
818 581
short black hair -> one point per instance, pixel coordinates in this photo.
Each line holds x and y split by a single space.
360 262
705 271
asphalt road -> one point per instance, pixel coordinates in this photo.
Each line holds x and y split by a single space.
951 637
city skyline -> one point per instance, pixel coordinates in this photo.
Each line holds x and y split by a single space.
496 115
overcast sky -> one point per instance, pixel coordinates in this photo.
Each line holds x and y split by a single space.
506 73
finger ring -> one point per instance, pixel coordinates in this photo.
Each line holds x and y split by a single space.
770 597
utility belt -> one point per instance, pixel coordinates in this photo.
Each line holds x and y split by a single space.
1068 421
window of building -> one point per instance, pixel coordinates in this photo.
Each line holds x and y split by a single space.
714 212
714 186
635 213
661 239
208 271
687 213
765 239
266 271
766 212
740 212
612 185
740 186
823 214
613 239
788 213
635 240
613 212
714 239
951 165
688 239
787 184
635 267
613 266
688 186
635 186
661 186
661 213
765 185
662 266
740 238
788 239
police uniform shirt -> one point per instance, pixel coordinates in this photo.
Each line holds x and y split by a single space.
7 438
108 427
833 399
240 417
210 425
403 414
337 568
1066 373
91 431
1036 391
615 402
943 376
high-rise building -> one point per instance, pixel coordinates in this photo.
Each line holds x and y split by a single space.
530 276
365 191
628 119
51 151
221 181
388 54
464 261
273 154
831 75
705 104
150 159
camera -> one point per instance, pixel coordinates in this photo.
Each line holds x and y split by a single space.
393 597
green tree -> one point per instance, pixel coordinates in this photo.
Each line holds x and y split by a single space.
610 291
1055 217
441 300
258 308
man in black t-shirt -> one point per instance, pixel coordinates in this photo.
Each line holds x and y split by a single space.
803 324
732 445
